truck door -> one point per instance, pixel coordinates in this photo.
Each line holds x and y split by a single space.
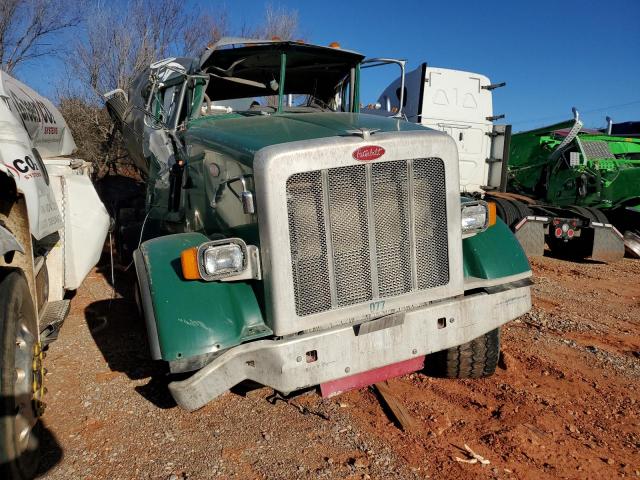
455 102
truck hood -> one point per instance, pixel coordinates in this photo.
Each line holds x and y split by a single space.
243 136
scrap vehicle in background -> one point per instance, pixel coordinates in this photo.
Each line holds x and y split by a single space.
572 189
291 240
586 176
52 230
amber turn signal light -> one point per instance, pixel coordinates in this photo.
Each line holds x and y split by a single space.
491 207
189 262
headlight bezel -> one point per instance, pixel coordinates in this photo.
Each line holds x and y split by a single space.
205 248
249 270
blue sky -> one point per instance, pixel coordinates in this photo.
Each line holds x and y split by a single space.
552 54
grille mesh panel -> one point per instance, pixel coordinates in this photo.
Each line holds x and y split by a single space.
391 213
350 232
308 243
430 211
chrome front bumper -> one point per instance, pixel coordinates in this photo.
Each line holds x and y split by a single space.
283 364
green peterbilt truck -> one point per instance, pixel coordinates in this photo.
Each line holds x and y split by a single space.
291 240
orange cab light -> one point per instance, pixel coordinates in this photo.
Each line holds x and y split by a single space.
276 38
491 206
334 45
300 41
189 262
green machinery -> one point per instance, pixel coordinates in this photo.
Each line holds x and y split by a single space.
578 178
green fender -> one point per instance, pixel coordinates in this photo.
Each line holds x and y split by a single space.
494 253
187 318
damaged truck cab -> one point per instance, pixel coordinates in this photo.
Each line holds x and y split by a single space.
291 240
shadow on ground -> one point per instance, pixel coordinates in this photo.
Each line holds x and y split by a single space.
571 258
121 336
44 451
50 451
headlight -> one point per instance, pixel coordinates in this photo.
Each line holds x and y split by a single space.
226 260
475 217
222 259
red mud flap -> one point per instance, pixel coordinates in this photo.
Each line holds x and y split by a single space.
370 377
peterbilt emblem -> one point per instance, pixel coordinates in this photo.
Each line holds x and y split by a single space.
368 153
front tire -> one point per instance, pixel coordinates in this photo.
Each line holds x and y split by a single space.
475 359
20 358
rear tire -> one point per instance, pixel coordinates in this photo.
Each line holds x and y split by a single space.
511 211
19 420
592 213
475 359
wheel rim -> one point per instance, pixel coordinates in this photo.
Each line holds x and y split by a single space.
28 383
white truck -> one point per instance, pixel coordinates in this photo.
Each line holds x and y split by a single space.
461 104
52 231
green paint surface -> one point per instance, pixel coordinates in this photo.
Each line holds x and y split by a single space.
494 253
197 317
606 183
242 136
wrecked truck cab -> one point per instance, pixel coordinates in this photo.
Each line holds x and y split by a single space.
291 240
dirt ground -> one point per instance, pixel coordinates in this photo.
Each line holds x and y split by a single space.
565 402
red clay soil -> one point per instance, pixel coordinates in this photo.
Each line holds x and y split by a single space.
565 402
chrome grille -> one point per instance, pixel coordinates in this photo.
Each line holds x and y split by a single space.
366 232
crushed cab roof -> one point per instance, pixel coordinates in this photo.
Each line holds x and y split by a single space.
308 66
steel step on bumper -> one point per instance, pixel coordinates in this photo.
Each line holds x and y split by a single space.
298 362
52 319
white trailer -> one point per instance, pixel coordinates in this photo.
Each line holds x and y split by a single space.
52 230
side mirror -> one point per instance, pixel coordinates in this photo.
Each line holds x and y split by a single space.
248 205
378 62
246 197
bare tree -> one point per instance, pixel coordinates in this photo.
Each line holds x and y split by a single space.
278 22
28 27
91 128
205 30
118 47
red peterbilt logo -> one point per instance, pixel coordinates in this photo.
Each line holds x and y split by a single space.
368 153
